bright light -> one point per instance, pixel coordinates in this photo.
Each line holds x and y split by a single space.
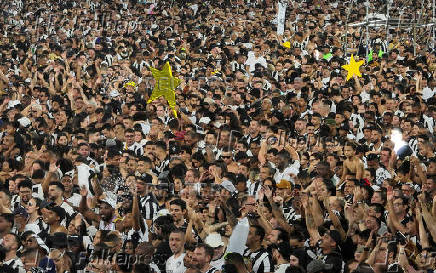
397 139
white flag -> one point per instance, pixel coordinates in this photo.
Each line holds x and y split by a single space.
281 13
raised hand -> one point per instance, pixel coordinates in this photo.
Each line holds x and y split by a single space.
83 191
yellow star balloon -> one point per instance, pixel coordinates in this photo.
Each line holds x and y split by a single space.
165 86
287 44
353 68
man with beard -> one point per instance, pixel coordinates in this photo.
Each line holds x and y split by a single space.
161 192
56 194
11 242
188 260
286 170
161 160
253 133
53 216
106 215
174 263
330 246
202 256
280 254
178 210
147 200
258 256
24 194
84 151
72 198
6 224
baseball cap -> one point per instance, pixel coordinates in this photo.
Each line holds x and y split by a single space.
204 120
20 211
114 93
110 142
214 240
336 236
110 201
58 210
24 121
226 184
317 266
395 268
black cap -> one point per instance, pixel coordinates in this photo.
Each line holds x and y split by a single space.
58 210
372 157
57 240
336 236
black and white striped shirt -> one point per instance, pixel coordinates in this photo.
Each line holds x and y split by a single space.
289 212
148 206
212 270
260 260
16 264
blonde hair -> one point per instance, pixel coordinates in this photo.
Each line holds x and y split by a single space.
65 260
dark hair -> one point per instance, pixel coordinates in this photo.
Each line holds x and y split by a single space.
259 231
57 184
234 258
166 224
178 230
38 174
207 249
229 268
294 269
297 235
179 202
25 184
161 144
8 217
124 262
17 239
283 236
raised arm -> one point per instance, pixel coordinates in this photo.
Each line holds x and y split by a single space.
394 222
335 219
83 207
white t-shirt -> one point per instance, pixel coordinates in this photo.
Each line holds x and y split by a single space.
294 169
175 265
75 199
252 61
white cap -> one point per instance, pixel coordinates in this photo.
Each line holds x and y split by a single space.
24 121
13 103
226 184
114 93
376 188
214 240
110 201
204 120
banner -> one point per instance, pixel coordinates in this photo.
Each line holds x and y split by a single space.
281 13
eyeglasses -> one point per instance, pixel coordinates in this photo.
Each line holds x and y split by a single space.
225 156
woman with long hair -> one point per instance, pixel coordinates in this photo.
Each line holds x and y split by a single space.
61 260
34 219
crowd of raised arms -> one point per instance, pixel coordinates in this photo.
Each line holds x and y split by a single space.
272 161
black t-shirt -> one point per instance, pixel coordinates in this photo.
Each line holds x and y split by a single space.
163 252
335 258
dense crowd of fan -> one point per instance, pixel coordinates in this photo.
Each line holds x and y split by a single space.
274 163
